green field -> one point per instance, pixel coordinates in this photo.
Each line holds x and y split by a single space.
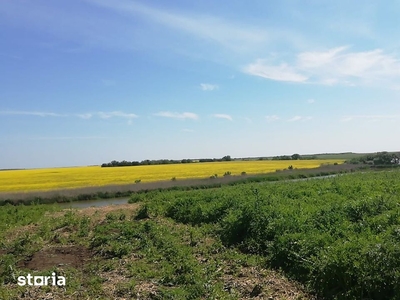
339 238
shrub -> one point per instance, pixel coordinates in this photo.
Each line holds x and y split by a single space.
143 213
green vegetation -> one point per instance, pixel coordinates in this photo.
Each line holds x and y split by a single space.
125 254
338 236
378 159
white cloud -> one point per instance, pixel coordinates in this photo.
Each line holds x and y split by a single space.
85 116
299 118
313 59
223 116
208 87
32 113
283 72
331 67
119 114
175 115
107 115
187 130
103 115
310 101
272 118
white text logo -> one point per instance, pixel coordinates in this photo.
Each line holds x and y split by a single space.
54 279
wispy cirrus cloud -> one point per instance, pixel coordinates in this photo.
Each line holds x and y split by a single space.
332 67
43 138
176 115
272 118
31 113
208 87
103 115
299 118
85 115
223 116
118 114
205 27
349 118
107 115
247 119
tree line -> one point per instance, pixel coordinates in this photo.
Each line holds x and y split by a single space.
295 156
378 159
147 162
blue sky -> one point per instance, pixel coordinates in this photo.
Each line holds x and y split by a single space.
87 82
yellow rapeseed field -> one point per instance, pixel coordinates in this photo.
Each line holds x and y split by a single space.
77 177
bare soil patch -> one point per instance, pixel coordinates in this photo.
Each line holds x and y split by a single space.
259 283
98 212
101 212
59 256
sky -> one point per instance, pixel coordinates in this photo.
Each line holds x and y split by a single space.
90 81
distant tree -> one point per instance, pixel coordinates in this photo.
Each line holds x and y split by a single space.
124 163
296 156
206 160
227 158
385 158
282 157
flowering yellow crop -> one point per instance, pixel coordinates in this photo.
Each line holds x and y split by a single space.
74 177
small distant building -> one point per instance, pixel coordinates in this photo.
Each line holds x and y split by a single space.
395 161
